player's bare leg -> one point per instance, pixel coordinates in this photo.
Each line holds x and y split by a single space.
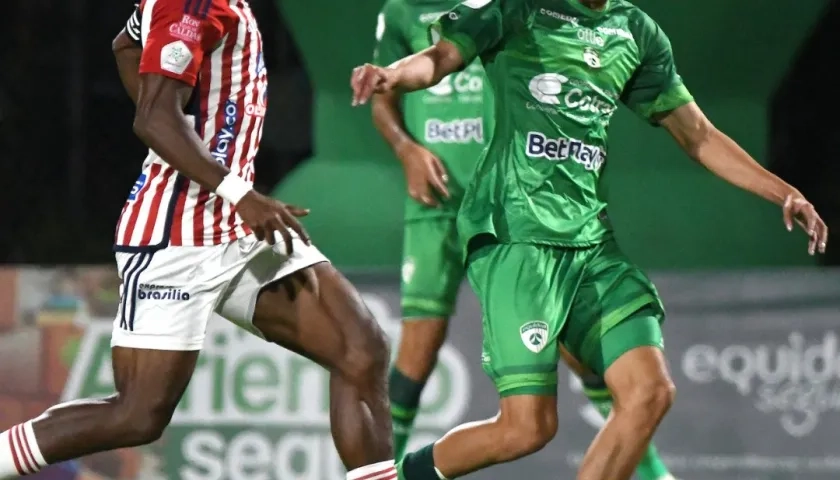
420 341
149 385
651 466
642 393
524 425
317 313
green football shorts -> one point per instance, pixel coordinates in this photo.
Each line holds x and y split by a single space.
432 268
534 297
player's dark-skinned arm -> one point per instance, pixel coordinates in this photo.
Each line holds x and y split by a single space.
127 53
161 124
422 168
419 71
722 156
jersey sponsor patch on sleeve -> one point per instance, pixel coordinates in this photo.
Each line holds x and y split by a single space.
175 57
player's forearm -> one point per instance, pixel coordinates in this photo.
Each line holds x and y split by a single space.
726 159
427 67
127 54
172 137
388 120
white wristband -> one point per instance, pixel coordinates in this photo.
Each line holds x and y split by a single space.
233 188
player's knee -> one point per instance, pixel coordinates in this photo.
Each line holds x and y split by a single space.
651 400
526 434
143 420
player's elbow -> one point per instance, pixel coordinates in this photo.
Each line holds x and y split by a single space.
698 136
143 124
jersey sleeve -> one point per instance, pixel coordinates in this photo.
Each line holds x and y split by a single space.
176 38
391 43
475 27
656 86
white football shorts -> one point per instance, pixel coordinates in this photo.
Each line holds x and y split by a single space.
167 296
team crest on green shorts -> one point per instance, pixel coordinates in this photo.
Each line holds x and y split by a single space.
534 335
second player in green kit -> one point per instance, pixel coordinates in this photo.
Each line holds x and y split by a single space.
540 251
438 135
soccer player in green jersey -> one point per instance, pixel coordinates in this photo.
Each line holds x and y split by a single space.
540 252
438 135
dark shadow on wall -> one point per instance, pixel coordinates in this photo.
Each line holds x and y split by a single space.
287 135
804 140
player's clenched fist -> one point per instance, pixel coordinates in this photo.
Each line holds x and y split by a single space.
266 215
369 79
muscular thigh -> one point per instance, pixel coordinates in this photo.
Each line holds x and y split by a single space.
525 293
316 312
432 268
613 292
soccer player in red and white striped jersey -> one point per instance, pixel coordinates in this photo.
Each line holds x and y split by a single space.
195 241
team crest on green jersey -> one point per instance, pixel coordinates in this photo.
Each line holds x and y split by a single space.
534 335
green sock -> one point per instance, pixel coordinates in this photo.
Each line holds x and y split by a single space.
651 467
404 394
419 465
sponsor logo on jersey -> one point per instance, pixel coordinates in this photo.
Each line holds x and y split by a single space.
534 336
550 89
430 17
561 149
146 291
559 16
618 32
175 57
590 36
227 134
187 29
138 185
464 82
464 130
591 58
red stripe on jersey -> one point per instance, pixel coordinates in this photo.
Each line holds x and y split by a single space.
176 235
242 104
138 203
154 206
198 217
221 123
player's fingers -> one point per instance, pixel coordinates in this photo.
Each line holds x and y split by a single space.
356 82
297 211
440 169
287 238
259 233
787 214
297 227
823 240
438 184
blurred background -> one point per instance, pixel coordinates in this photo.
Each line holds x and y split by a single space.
753 320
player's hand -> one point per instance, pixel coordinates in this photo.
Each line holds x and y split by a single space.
266 215
424 173
369 79
799 210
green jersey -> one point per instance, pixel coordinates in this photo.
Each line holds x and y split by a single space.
451 119
557 71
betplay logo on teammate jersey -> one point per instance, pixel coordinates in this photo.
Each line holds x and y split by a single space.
798 381
256 411
539 145
462 130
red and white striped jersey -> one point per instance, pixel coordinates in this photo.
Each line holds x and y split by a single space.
215 46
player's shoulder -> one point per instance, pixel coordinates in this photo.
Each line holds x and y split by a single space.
641 25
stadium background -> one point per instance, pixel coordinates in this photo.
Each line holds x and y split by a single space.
752 332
